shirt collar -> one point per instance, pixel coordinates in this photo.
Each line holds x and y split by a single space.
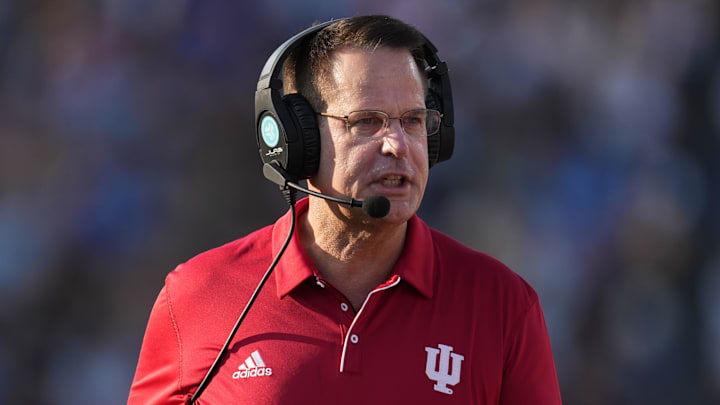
416 264
417 261
295 266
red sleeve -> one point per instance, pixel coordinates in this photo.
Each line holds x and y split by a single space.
158 375
529 376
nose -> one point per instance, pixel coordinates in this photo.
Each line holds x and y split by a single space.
395 139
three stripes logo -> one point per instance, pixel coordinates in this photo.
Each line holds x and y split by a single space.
254 366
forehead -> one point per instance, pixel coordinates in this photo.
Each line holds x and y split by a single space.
383 78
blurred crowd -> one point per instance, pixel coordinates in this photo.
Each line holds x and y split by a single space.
587 137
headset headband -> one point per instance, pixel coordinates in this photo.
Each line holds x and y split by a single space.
270 75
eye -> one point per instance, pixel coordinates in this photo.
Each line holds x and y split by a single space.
414 118
365 123
368 121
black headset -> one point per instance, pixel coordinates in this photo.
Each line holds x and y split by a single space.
286 127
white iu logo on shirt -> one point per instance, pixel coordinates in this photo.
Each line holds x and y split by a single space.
442 375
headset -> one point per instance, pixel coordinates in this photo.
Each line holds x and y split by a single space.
286 126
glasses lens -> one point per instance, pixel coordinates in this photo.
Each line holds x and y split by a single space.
432 124
414 122
421 122
365 123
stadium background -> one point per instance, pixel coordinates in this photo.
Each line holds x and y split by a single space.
586 159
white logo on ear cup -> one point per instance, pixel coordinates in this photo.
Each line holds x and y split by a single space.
270 131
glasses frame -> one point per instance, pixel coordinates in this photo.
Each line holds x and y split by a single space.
387 116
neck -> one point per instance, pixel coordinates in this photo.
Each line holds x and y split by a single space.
352 251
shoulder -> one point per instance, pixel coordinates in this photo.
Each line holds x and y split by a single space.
479 271
223 266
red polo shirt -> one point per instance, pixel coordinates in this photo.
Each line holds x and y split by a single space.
450 325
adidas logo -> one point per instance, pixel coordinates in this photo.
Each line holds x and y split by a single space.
254 366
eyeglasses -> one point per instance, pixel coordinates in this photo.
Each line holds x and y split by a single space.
419 122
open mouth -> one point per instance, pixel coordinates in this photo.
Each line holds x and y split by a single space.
393 181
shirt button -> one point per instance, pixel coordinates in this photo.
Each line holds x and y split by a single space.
354 338
344 307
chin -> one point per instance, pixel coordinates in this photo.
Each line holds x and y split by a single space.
400 211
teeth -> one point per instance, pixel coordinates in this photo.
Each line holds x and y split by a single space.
392 181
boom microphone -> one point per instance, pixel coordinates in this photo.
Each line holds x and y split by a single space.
375 206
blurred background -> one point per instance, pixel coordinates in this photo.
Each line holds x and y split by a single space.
586 159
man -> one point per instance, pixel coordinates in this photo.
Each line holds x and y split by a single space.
359 309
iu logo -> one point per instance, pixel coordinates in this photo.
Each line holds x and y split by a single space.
443 375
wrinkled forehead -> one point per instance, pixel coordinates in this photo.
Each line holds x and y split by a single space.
368 74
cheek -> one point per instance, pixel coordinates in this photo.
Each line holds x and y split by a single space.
420 156
350 164
341 161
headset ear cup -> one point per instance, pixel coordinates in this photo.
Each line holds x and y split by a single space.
304 115
433 141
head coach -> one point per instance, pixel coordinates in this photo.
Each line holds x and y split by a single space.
334 304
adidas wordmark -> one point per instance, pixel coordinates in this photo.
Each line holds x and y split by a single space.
254 366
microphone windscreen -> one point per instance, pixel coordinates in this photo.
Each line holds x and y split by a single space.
376 206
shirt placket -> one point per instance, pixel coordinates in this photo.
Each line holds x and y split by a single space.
351 356
339 307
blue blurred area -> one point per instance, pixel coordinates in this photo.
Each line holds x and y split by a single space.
586 160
